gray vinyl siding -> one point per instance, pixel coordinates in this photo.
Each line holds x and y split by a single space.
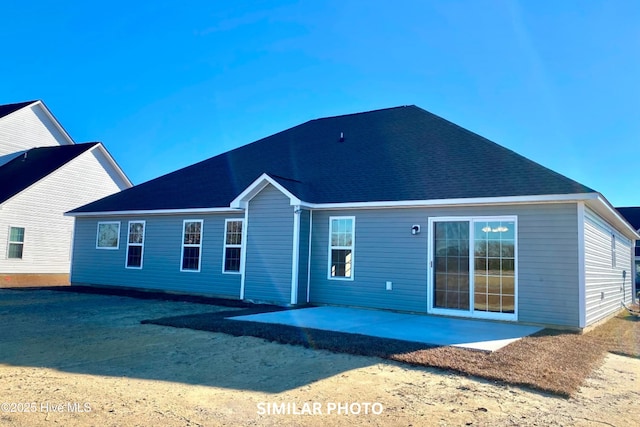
161 259
605 286
269 247
303 258
385 250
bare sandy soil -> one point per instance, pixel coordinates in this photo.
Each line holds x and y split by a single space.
77 359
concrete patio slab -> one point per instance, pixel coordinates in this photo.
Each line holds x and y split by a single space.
466 333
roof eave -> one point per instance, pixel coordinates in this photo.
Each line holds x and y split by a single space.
137 212
113 163
241 201
55 121
473 201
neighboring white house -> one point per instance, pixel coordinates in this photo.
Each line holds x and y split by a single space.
44 173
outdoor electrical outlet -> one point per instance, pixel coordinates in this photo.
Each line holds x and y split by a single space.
389 285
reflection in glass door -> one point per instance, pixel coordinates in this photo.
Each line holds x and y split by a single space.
451 265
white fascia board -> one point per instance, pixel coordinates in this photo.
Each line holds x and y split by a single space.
113 163
154 212
602 206
551 198
256 187
54 120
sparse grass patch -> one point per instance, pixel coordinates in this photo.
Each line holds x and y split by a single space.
551 361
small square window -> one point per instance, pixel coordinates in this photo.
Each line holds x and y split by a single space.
108 235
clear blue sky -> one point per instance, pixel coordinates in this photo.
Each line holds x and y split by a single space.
167 84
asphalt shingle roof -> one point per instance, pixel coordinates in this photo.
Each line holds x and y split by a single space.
10 108
35 164
402 153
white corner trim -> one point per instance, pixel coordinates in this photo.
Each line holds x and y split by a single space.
295 256
256 187
309 257
582 284
243 252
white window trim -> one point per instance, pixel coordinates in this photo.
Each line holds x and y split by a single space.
182 245
11 242
126 257
471 312
225 245
352 248
98 235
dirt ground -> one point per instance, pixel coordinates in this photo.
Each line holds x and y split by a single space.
78 359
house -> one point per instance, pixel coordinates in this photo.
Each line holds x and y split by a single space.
632 215
393 209
43 174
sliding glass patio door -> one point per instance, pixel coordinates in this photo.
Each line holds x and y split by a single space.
473 263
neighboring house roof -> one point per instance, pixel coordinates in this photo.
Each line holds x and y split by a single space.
396 154
35 164
7 109
632 215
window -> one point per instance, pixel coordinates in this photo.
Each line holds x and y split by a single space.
108 235
613 251
232 246
16 242
341 242
135 244
191 245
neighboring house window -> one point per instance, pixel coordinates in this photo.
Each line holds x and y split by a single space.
232 245
135 244
341 242
613 251
16 242
108 235
191 245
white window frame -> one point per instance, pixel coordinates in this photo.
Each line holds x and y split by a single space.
225 246
108 248
352 248
183 245
12 242
141 245
471 313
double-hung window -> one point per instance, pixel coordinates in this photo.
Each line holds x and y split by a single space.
191 245
232 246
135 244
341 247
16 242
